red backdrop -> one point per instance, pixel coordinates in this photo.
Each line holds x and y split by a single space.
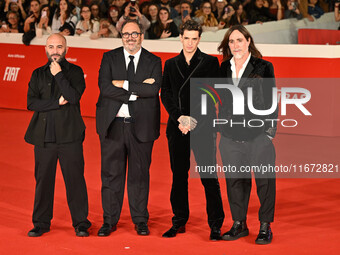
18 62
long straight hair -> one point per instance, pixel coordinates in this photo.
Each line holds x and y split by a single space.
224 46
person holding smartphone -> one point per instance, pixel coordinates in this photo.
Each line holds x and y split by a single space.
15 6
43 26
186 10
293 10
131 11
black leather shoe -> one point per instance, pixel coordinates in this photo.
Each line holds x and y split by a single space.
81 231
239 229
106 229
265 235
173 231
215 234
142 229
37 231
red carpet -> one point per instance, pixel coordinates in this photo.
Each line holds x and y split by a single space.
307 212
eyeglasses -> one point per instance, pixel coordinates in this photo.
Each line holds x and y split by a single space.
94 9
206 7
85 11
133 35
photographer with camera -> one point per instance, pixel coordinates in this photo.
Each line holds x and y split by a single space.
292 10
131 11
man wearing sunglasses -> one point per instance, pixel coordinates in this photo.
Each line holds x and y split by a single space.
128 122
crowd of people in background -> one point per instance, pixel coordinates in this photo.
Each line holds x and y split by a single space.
160 18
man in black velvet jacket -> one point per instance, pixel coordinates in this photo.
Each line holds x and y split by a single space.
175 95
243 144
57 132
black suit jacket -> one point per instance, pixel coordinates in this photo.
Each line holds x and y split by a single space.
253 75
145 110
175 93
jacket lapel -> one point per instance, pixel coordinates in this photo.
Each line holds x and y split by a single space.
246 74
120 65
143 62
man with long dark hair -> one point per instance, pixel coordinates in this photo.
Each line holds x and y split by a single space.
244 145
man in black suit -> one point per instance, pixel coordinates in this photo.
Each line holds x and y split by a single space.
243 144
128 123
175 95
57 133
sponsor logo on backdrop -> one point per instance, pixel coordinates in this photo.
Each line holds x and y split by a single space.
11 73
71 59
15 56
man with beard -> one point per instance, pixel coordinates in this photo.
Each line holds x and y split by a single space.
57 132
128 123
243 145
175 94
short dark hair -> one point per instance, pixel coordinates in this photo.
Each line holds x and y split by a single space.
185 2
191 25
135 22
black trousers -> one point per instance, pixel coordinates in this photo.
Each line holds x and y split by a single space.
179 149
71 161
257 152
118 149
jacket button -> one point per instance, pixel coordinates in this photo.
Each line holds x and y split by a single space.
49 84
44 119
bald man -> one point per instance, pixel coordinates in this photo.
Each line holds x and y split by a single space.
57 132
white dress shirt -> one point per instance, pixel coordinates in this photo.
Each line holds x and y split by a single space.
236 78
124 109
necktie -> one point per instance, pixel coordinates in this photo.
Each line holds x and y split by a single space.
131 69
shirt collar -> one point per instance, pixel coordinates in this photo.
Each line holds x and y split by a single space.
64 64
136 55
194 58
232 62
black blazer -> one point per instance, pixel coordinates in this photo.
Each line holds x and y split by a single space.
146 109
175 93
262 99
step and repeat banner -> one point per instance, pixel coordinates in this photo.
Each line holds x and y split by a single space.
293 63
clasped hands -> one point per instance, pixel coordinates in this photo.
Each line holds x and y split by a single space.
186 124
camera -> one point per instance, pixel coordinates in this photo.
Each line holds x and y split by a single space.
132 9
